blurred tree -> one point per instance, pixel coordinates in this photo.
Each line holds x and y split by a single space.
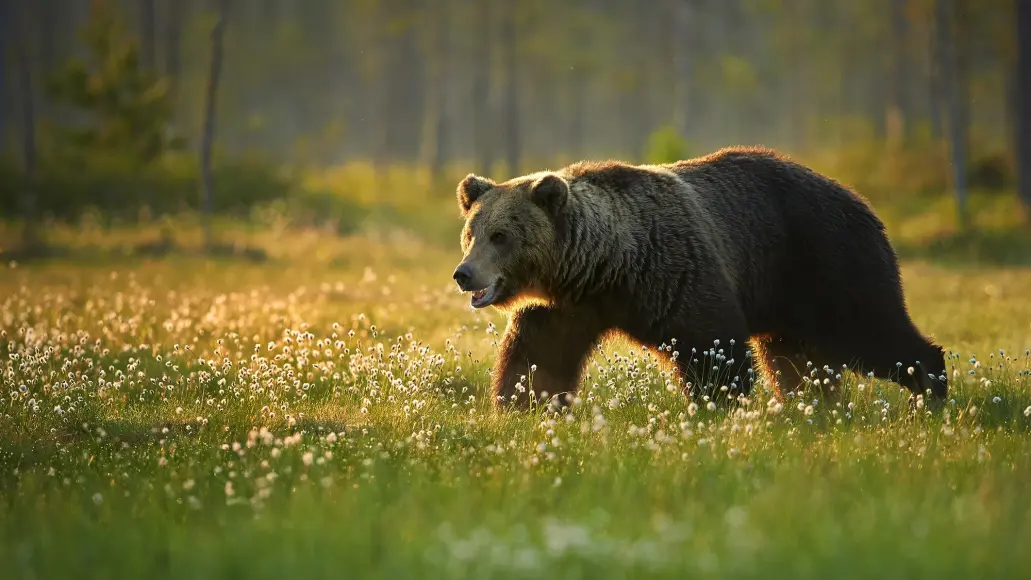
1023 82
208 139
962 36
874 101
7 50
130 106
953 103
148 46
666 145
370 52
405 91
933 87
30 237
482 93
320 82
172 36
438 54
587 46
508 38
899 110
45 51
683 31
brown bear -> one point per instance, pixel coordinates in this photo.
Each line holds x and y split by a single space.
708 256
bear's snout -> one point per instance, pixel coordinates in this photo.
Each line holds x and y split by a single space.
463 276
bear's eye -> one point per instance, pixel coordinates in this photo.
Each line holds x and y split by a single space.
498 237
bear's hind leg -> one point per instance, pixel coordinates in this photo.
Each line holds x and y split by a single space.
909 360
901 356
782 361
868 326
549 347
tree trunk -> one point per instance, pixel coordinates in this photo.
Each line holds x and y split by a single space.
577 97
148 48
28 142
898 114
215 71
510 93
935 87
481 91
148 64
435 120
376 60
954 105
442 137
36 22
681 31
172 37
6 43
963 42
1023 90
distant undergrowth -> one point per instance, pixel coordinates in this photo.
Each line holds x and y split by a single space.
908 186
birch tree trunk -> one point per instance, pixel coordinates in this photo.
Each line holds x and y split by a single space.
482 95
27 106
148 46
207 141
510 92
953 106
1023 90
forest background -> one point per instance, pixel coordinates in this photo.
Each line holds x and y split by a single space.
362 115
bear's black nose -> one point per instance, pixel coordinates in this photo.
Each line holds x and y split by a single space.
463 276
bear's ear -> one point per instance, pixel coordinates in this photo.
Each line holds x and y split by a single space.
470 189
550 192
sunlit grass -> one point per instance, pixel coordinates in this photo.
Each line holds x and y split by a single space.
324 414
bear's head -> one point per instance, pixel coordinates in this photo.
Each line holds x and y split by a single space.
510 240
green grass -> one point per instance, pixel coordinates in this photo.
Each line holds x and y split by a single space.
322 414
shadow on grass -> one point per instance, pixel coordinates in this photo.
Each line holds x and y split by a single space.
147 250
35 252
989 247
164 247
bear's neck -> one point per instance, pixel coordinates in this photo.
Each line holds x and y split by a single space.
593 245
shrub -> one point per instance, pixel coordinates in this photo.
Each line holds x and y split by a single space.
992 172
666 146
116 188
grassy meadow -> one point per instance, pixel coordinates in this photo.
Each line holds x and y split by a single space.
321 413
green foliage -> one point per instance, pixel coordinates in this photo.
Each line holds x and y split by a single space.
108 188
739 76
129 109
992 172
314 208
113 185
919 170
666 145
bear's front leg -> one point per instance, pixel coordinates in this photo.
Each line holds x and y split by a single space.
548 346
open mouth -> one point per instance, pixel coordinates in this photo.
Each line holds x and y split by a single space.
486 296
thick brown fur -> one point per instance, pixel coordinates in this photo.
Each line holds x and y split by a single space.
741 248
